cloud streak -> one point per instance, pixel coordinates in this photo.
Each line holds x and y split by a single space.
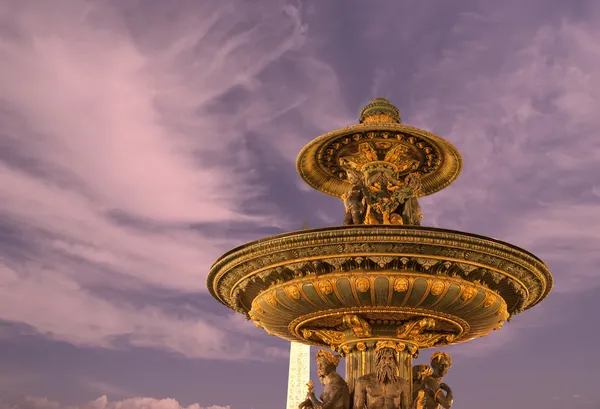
117 141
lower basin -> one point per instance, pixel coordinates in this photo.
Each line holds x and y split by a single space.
337 286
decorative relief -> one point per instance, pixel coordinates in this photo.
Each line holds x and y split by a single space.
414 327
490 300
327 249
426 262
292 291
324 286
382 261
271 299
421 332
363 284
401 284
437 287
431 339
468 293
328 336
359 326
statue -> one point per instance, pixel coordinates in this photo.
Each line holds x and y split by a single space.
336 394
381 200
383 389
419 374
354 199
407 196
433 393
377 195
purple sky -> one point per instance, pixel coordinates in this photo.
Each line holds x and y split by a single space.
139 140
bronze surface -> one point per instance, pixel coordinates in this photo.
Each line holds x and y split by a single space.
407 149
301 285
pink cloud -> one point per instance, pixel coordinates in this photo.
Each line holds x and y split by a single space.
117 124
103 403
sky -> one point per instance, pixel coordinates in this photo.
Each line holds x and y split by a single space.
141 139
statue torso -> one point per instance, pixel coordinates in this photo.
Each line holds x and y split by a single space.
430 387
383 396
339 387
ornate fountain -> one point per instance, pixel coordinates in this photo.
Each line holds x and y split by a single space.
381 285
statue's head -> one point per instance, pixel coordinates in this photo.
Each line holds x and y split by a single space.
420 372
440 363
326 363
386 364
413 180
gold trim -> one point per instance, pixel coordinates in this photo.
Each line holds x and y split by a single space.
411 255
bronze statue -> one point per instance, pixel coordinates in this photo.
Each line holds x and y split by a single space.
383 389
354 204
420 373
407 196
435 392
380 198
336 394
354 199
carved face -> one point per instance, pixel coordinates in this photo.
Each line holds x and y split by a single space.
362 284
386 366
440 367
324 368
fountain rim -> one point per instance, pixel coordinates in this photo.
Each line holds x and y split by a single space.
308 168
210 280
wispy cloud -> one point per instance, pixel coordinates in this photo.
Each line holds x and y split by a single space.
518 101
528 136
119 140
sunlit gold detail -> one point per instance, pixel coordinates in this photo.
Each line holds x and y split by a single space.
359 327
401 284
292 291
468 293
437 287
412 328
381 118
325 286
489 300
328 336
328 246
310 387
271 299
385 344
363 285
430 339
361 346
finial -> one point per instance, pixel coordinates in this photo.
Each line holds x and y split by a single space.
305 224
379 110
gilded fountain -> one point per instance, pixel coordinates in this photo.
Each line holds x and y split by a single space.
381 287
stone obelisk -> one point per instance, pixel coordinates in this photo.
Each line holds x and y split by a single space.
299 374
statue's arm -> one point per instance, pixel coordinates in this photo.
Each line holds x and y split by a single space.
404 402
328 400
444 400
360 397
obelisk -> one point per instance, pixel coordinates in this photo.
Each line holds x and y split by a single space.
299 374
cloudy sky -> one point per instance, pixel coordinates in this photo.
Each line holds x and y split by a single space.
141 139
